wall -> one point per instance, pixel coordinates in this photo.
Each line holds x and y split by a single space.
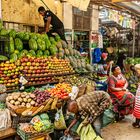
67 16
25 11
95 18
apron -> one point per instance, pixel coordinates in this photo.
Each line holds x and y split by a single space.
119 84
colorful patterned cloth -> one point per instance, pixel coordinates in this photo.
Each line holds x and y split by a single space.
93 105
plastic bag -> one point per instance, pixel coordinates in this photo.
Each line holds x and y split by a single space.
90 87
59 122
108 117
74 93
5 119
66 138
87 133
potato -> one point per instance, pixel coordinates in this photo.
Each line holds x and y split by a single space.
23 104
12 102
32 96
17 103
20 99
25 100
16 97
10 97
32 102
29 100
28 105
27 96
23 95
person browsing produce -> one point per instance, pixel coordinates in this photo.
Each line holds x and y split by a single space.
51 19
91 105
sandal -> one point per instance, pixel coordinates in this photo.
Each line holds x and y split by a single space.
136 125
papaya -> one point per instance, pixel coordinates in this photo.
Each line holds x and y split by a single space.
64 44
4 32
46 53
32 52
39 53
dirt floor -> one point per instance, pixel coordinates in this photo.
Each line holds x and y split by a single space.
121 131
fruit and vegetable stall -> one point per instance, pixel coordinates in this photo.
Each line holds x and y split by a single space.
38 75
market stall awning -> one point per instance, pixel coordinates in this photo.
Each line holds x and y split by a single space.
127 6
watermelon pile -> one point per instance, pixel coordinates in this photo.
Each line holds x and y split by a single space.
42 46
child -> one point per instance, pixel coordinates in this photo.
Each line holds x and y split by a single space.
136 112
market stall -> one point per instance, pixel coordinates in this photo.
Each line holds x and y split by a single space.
37 78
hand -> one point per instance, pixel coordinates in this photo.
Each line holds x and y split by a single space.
67 131
111 62
124 89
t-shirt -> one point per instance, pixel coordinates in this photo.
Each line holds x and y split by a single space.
55 21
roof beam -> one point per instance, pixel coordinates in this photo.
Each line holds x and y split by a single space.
121 0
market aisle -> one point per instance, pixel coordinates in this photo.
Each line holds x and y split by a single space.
121 131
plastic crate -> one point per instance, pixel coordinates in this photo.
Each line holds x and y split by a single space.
31 136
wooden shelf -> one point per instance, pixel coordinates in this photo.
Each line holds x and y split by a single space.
7 133
53 82
49 75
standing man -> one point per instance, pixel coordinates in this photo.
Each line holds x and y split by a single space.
50 18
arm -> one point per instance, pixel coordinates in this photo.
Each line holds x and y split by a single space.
48 24
111 84
70 126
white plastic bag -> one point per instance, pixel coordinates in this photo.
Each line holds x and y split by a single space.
66 138
74 93
5 119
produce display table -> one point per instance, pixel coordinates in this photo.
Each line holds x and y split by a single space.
7 133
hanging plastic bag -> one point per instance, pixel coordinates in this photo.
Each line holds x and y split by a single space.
66 138
108 117
59 122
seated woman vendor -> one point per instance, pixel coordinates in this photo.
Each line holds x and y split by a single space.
122 99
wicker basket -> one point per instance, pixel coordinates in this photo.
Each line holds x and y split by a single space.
33 136
19 119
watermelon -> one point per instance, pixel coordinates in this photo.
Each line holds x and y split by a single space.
12 33
3 58
11 47
41 44
32 52
13 57
20 35
57 38
53 50
4 32
48 43
46 53
39 53
26 36
34 36
33 44
18 44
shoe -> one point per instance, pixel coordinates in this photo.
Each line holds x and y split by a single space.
135 125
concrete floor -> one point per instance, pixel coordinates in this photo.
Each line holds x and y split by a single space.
121 131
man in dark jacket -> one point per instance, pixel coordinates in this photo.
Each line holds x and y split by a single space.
51 19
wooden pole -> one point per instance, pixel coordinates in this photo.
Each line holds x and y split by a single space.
134 40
